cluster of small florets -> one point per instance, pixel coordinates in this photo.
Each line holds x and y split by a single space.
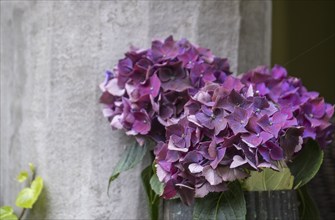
149 88
236 126
211 128
308 109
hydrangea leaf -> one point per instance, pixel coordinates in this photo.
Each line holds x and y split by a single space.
307 207
268 180
131 156
23 175
153 198
28 196
306 164
6 213
226 205
156 185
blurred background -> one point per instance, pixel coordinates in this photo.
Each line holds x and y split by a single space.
303 40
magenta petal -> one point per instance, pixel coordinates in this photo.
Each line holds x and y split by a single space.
169 190
279 72
276 153
232 83
142 124
238 161
264 152
220 154
204 120
265 136
195 168
252 140
161 173
186 194
230 175
329 110
202 190
155 85
211 176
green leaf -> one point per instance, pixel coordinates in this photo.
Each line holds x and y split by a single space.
224 206
5 210
23 175
268 180
6 213
32 167
307 207
28 196
153 198
131 157
156 185
306 164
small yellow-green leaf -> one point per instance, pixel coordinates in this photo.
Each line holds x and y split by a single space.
268 180
28 196
25 199
23 175
32 167
6 212
9 217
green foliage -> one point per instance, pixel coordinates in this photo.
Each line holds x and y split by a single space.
153 198
269 180
156 185
23 175
28 196
306 164
225 206
131 156
6 213
307 208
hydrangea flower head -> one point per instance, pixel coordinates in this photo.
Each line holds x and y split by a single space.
242 124
149 88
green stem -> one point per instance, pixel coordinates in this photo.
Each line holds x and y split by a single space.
22 213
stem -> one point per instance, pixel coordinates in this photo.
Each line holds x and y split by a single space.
24 209
22 213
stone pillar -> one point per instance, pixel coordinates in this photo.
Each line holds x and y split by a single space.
53 55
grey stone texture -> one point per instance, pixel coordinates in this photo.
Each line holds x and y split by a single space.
53 55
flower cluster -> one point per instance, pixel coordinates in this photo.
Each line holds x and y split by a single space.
305 107
238 125
149 88
210 127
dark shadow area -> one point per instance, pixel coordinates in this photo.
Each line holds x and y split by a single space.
303 40
41 207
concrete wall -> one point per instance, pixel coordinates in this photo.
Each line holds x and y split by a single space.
53 55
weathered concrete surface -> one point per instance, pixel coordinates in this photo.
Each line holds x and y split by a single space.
53 55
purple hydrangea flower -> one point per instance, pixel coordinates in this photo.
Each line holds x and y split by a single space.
148 89
230 127
302 107
210 127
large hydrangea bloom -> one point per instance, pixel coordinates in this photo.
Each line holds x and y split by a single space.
235 126
149 88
